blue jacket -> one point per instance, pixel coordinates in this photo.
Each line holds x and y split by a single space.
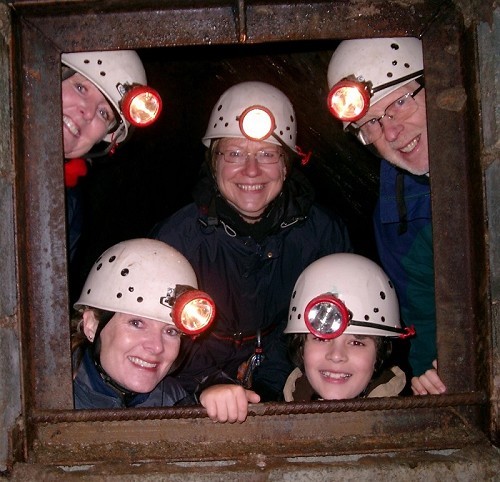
250 271
403 231
91 391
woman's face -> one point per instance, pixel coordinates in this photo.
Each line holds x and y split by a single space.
87 116
341 367
137 352
248 185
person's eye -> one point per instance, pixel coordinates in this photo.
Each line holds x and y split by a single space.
269 155
372 122
173 332
135 323
236 154
401 102
104 113
80 87
357 343
320 340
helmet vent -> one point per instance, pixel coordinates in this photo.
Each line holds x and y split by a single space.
382 295
376 310
131 289
395 46
140 299
367 317
119 295
124 272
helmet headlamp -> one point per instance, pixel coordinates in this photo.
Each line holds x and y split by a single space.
193 311
326 316
349 99
257 123
141 105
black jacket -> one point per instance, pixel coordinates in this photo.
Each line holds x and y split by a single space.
250 271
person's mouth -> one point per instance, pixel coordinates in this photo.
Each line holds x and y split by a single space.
410 146
142 363
335 375
71 126
251 187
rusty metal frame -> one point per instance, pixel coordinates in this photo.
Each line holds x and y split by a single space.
56 434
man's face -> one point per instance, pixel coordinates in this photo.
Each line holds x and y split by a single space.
404 143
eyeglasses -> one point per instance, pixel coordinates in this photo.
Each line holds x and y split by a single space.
236 156
402 108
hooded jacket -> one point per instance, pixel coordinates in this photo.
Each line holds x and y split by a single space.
250 271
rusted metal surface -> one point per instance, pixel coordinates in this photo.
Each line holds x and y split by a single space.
457 198
46 29
41 207
283 436
258 410
144 24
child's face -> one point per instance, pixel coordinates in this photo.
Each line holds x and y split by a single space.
137 352
341 367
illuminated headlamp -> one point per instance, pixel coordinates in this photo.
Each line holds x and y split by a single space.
326 316
349 99
193 311
141 105
257 123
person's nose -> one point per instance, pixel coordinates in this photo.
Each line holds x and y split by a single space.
88 110
391 128
252 166
154 342
336 351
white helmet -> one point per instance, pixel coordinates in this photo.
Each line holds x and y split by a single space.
145 277
112 72
225 118
377 60
344 293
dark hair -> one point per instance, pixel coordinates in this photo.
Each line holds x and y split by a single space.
383 347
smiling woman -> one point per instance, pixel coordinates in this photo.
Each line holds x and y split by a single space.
127 335
139 298
100 93
252 229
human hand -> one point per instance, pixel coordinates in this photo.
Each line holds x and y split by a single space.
429 383
228 403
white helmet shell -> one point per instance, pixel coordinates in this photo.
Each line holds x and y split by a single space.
224 118
359 283
108 71
134 276
376 60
